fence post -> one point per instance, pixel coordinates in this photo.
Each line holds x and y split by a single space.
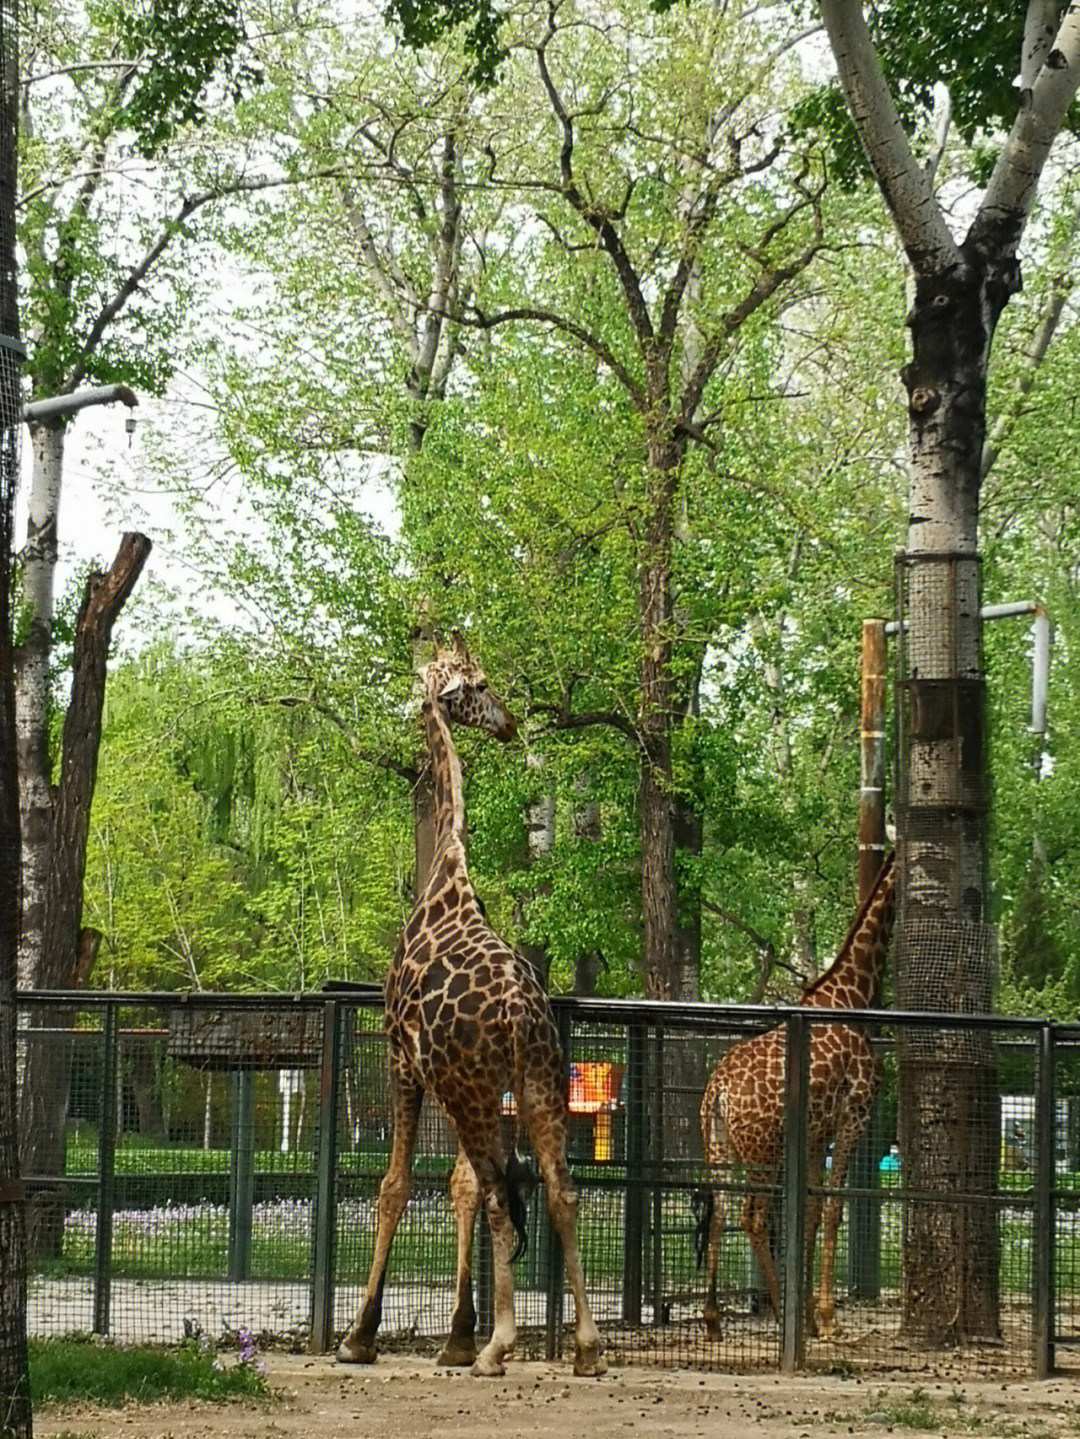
865 1215
241 1173
106 1172
1044 1216
656 1170
634 1213
324 1228
793 1340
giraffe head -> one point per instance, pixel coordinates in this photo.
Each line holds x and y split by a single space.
455 681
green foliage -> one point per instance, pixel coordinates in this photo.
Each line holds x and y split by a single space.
253 824
425 21
181 47
65 1371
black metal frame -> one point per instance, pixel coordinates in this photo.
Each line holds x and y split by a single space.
648 1176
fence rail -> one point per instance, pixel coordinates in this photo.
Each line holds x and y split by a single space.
217 1160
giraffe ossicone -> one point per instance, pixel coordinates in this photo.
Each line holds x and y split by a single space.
742 1113
466 1021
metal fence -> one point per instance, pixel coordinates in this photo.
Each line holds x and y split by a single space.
221 1157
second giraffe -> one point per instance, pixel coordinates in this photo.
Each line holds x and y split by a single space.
466 1021
742 1112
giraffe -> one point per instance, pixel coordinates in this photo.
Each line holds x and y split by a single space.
742 1111
467 1020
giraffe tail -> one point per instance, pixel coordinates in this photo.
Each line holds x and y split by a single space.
520 1176
703 1203
520 1180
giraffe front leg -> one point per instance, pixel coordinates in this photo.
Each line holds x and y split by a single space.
825 1312
358 1346
460 1347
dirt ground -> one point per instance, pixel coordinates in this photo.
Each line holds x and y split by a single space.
401 1396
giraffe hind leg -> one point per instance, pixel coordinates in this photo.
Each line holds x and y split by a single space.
711 1226
547 1132
460 1346
358 1346
755 1221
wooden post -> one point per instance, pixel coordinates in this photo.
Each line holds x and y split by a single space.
865 1212
872 843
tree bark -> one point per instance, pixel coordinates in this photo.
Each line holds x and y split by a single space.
662 979
46 1076
14 1378
540 840
949 1107
36 795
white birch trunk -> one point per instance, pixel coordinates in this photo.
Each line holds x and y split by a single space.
32 690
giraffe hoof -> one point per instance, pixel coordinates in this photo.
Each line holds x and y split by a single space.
589 1363
354 1350
488 1368
457 1354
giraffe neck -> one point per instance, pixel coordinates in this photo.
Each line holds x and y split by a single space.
446 771
852 980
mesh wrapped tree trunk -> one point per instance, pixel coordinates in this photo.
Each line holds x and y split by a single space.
949 1109
14 1389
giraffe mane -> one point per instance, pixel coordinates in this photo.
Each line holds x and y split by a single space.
882 876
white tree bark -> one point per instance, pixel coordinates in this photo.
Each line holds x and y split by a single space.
31 691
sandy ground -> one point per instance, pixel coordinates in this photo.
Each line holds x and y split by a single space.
401 1396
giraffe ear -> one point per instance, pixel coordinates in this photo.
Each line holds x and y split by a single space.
451 687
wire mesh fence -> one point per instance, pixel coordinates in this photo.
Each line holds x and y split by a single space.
221 1160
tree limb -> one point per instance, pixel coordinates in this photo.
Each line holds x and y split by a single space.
907 188
1011 192
479 320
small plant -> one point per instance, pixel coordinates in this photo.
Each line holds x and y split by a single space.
917 1412
68 1370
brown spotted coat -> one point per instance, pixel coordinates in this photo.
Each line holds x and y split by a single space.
742 1111
467 1020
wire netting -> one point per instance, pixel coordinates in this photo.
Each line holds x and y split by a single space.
208 1188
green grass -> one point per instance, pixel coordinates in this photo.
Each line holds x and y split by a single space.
63 1371
81 1160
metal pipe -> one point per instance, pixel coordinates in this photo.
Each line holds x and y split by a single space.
1040 671
1040 664
58 407
796 1177
990 612
324 1228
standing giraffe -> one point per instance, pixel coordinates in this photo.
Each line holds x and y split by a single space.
742 1111
467 1020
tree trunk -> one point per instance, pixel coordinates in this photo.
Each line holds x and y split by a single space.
14 1379
949 1108
540 838
46 1075
32 691
589 962
662 979
689 839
